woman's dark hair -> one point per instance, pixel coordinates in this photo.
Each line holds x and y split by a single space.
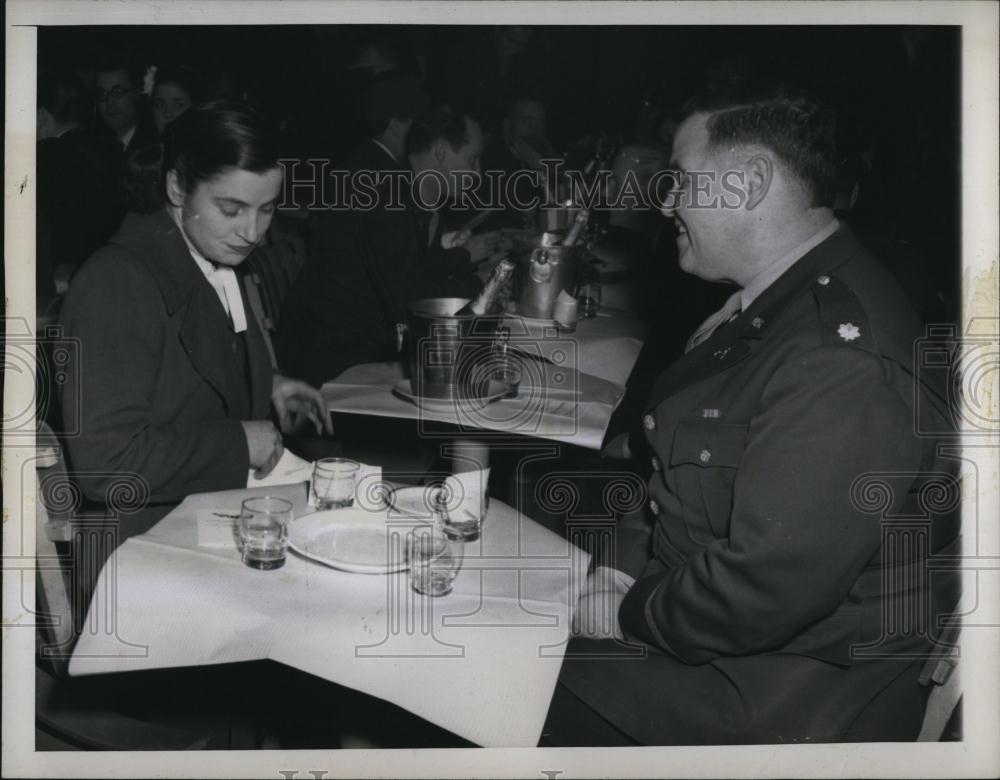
141 184
208 139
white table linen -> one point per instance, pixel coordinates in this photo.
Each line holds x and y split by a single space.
481 662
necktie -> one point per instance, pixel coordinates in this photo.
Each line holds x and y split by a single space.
729 311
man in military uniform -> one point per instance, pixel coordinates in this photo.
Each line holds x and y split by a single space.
760 597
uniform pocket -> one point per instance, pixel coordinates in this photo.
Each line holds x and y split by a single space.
710 453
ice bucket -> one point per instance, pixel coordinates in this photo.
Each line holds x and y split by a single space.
448 356
540 276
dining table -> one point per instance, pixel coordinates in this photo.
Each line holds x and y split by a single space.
570 384
481 661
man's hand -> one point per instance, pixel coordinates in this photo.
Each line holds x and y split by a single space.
596 615
264 445
487 246
296 403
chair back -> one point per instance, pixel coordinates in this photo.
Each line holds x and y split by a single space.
53 535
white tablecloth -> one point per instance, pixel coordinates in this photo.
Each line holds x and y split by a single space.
571 384
481 662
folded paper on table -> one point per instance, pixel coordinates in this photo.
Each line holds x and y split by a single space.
216 529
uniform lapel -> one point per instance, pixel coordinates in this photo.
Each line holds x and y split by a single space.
207 338
205 332
734 341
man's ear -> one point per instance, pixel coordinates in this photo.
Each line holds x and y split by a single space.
175 190
759 173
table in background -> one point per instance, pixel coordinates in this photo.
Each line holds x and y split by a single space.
571 384
481 662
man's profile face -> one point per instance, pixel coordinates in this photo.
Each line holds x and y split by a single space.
709 234
116 100
526 120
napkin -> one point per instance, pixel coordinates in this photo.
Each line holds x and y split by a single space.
289 470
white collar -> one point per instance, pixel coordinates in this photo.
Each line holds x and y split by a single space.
385 149
127 138
222 278
769 275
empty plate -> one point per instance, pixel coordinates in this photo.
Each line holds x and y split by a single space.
350 539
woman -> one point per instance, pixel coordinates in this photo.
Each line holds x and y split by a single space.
172 383
173 94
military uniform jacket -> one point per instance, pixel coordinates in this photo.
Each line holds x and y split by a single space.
759 535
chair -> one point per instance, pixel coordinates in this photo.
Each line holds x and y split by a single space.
95 712
942 716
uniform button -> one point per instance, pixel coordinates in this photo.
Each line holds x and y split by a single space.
705 456
656 464
648 422
758 322
824 280
654 507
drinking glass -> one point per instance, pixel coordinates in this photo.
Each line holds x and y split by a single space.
463 517
435 557
333 482
264 531
589 297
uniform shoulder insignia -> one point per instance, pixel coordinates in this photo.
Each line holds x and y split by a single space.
842 317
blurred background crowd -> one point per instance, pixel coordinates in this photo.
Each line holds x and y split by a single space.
105 95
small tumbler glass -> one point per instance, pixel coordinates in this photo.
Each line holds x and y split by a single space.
334 481
589 298
264 531
435 558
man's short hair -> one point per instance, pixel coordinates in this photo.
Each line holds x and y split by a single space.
113 60
393 96
441 122
62 94
796 126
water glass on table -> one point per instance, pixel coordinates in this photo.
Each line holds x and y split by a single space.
264 531
334 480
435 556
589 298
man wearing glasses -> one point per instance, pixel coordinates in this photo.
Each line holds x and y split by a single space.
119 103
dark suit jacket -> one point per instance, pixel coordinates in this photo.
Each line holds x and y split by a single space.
781 446
78 204
363 267
155 389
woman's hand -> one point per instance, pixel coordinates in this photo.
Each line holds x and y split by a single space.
297 402
264 445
